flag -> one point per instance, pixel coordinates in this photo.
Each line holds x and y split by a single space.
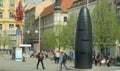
17 31
19 9
19 13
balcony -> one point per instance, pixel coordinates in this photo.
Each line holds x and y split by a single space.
12 8
7 20
8 32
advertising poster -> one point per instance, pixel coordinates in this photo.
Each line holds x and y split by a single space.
18 54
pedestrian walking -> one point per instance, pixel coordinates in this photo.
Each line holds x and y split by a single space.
57 57
23 57
108 60
40 58
63 59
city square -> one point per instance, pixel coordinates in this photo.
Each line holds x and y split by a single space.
7 64
59 35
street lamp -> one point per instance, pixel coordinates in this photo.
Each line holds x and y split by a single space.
28 32
39 31
38 43
36 31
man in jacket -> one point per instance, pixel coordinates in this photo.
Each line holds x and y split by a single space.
40 58
63 58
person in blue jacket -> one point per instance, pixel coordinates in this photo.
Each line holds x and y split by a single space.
63 58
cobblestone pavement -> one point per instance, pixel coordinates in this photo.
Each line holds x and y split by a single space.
7 64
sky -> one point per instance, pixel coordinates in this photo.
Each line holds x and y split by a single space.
33 1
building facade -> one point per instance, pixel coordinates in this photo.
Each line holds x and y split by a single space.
117 13
55 15
117 7
7 22
31 24
49 13
91 5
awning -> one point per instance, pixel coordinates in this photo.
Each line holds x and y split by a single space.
24 45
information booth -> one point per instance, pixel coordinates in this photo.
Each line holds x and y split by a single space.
18 54
22 50
25 49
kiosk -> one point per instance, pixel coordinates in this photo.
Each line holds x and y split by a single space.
22 49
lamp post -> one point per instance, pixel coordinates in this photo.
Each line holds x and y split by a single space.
39 31
28 32
37 44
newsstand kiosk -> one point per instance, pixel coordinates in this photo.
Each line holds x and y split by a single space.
17 52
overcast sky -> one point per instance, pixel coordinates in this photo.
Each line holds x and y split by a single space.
33 1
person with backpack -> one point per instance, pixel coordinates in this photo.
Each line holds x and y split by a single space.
40 58
63 58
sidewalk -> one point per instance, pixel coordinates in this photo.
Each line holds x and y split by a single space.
6 64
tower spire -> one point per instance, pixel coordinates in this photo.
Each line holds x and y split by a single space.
57 5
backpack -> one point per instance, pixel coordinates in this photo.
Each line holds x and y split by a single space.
40 56
64 58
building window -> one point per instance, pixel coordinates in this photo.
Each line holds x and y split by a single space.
11 26
0 26
1 14
10 14
1 2
65 19
118 12
11 2
110 5
13 37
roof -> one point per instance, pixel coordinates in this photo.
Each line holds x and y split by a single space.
47 6
29 6
48 10
64 4
41 6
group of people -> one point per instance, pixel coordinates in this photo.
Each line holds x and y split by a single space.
59 56
101 60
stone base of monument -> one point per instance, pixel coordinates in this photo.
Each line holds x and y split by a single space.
84 70
76 69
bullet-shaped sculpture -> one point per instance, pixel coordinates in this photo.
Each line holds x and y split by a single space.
83 44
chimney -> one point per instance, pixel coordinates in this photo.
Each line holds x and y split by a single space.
57 5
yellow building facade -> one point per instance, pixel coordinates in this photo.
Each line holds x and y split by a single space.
7 22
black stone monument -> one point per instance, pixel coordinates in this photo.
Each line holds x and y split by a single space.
83 44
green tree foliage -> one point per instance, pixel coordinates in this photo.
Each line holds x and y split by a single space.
48 39
65 37
5 40
69 32
58 30
104 24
